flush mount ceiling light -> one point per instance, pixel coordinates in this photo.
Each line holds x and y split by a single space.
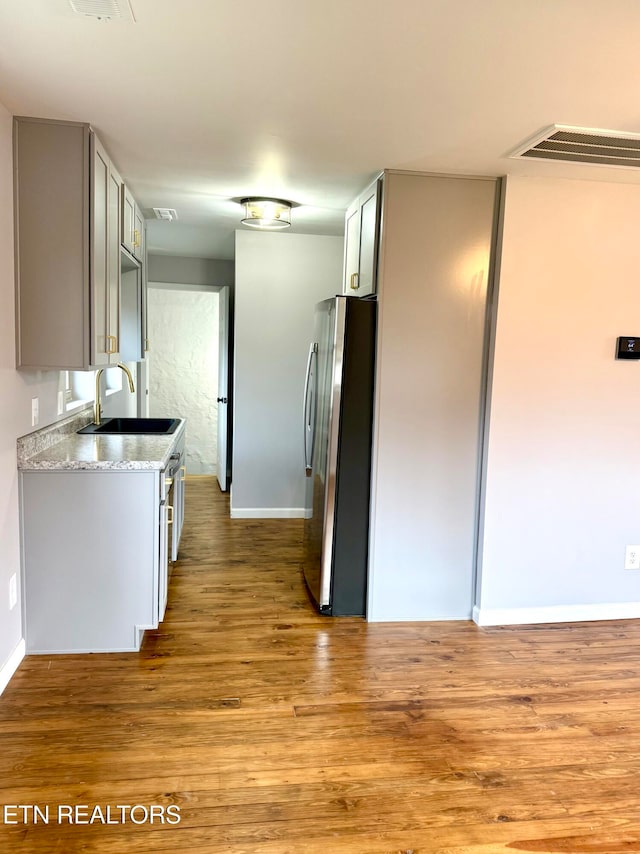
271 214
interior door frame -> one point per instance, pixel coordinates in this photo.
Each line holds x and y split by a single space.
224 391
225 296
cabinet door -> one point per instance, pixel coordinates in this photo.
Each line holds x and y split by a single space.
145 320
131 322
163 562
90 547
113 272
182 475
362 229
368 241
138 233
128 205
351 250
99 201
105 257
178 509
52 187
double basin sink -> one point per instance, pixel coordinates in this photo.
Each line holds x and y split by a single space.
133 426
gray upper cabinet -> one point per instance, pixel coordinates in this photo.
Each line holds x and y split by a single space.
138 233
133 280
105 254
67 241
128 206
362 233
132 225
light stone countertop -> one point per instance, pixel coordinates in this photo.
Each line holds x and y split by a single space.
59 448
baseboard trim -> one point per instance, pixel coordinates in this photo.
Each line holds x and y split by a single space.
418 618
7 670
268 513
556 614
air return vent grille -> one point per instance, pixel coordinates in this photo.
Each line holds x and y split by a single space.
584 145
167 214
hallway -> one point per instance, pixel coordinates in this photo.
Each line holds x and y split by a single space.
277 731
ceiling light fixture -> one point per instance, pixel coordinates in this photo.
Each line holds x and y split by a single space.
270 214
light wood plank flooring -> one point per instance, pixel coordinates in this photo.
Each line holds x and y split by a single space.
277 731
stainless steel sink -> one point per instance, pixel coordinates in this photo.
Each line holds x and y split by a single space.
133 426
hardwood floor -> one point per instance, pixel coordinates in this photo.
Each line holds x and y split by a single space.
277 731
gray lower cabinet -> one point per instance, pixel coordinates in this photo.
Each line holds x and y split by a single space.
177 498
95 558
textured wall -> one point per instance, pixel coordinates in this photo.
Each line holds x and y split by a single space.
183 367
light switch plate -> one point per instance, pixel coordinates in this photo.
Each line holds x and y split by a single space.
35 411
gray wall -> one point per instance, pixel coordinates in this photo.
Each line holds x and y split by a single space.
192 271
279 279
434 274
563 460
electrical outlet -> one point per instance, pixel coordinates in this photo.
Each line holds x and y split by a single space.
13 592
60 403
35 411
632 557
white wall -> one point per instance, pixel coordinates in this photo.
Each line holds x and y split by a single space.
183 367
279 279
16 390
563 459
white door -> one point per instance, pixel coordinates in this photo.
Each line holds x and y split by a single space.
223 385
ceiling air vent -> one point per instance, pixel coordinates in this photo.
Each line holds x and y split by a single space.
167 214
583 145
104 10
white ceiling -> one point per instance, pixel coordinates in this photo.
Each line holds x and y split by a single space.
203 101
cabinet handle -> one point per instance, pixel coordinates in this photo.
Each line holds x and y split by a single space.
168 481
136 237
183 470
169 514
354 284
109 349
146 345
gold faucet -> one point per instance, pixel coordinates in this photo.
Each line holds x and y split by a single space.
97 406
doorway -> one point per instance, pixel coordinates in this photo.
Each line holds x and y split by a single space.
182 371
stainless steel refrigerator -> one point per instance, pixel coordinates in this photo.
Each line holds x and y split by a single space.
338 423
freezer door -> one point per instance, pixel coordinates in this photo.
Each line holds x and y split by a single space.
319 525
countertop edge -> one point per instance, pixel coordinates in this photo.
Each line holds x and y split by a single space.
74 452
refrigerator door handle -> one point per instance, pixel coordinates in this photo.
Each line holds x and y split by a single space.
307 412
